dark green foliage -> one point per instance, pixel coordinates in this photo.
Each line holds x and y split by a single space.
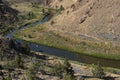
58 69
29 36
9 77
31 15
68 69
43 10
26 48
30 74
17 62
35 5
12 44
7 66
52 22
61 8
35 64
98 71
67 76
65 70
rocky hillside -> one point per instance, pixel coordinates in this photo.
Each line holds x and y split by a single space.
88 19
8 15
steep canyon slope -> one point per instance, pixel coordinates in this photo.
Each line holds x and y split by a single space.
83 26
96 19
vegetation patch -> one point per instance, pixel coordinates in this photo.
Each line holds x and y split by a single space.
41 35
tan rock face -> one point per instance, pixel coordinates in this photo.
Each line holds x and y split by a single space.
96 18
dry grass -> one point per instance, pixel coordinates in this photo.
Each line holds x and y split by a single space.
99 19
22 7
92 27
41 35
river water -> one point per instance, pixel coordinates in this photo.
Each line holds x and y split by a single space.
65 54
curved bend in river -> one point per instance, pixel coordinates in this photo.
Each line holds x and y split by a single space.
65 54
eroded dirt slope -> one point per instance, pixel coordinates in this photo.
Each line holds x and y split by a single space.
96 19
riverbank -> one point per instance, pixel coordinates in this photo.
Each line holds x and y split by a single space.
44 66
82 69
77 33
42 36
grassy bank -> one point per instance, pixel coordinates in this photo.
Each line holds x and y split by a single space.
90 66
41 35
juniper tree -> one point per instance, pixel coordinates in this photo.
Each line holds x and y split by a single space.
98 71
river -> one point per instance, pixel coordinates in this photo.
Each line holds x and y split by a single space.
65 54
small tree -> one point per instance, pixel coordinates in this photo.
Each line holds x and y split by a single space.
30 74
67 76
98 71
7 66
43 10
68 68
64 70
58 69
61 8
25 47
18 61
9 77
31 15
35 64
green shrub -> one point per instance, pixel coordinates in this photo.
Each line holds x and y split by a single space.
9 77
68 68
31 15
65 70
58 69
61 8
67 76
29 36
7 66
98 71
35 5
17 62
30 74
35 64
43 10
26 48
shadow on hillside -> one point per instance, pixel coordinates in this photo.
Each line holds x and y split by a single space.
105 78
32 54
